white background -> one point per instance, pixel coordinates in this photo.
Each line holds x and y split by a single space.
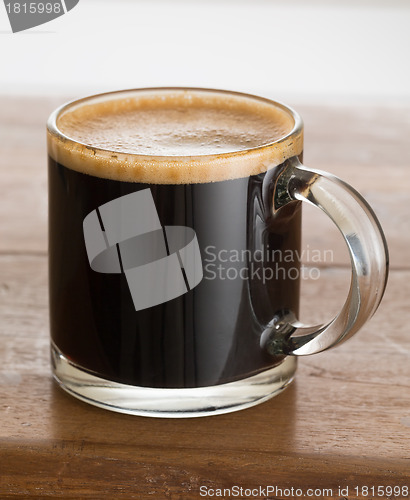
289 50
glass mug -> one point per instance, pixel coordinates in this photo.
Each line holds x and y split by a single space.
169 210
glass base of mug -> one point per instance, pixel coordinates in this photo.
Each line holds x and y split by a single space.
171 403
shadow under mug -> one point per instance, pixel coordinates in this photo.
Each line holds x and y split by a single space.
170 293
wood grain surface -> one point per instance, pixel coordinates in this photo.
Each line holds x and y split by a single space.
345 421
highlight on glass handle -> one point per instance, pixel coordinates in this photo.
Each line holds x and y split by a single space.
368 255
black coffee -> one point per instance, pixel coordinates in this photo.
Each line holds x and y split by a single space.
212 333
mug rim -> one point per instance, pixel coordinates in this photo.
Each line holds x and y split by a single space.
55 131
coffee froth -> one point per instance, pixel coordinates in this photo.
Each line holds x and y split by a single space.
172 136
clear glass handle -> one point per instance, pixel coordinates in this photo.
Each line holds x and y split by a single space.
368 254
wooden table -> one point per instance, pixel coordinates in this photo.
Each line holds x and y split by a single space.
345 421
